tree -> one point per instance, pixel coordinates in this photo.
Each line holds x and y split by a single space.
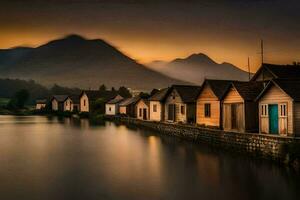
124 92
102 88
98 106
19 99
144 95
113 89
153 92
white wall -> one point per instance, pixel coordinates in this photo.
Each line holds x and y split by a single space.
54 104
155 116
68 105
110 109
84 103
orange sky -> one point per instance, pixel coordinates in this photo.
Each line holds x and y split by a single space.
226 31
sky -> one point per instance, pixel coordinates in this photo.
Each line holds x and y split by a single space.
148 30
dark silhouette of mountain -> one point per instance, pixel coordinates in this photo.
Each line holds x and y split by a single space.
78 62
196 67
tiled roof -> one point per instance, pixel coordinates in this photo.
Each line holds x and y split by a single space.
128 101
188 93
160 95
219 87
249 91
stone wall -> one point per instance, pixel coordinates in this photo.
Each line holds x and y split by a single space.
278 148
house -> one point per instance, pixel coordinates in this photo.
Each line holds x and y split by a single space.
180 103
157 106
142 108
41 104
128 106
270 71
279 108
240 110
61 103
209 102
112 107
75 106
89 96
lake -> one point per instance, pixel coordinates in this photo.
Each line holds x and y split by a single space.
51 158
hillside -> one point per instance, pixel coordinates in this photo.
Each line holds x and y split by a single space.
78 62
196 67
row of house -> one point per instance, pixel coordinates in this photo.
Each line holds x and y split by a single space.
269 103
76 103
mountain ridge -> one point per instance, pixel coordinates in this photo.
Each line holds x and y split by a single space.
198 66
79 62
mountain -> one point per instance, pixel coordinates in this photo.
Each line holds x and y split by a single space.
195 68
78 62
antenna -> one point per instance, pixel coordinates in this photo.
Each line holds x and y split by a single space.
262 51
249 68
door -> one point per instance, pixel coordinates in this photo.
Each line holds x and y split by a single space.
144 114
273 119
234 124
171 112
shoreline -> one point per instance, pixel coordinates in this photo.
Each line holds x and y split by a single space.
283 150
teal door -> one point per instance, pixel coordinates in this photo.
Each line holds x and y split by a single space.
273 119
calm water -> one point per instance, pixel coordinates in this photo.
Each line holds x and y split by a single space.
47 158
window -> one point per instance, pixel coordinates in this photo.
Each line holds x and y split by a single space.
283 110
109 108
154 108
182 110
84 102
264 110
140 112
207 111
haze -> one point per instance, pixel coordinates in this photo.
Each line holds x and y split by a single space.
227 31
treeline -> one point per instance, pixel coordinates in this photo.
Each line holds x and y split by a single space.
9 87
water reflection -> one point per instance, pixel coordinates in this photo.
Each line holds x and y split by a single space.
61 158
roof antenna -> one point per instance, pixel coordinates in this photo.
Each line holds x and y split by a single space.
262 51
249 73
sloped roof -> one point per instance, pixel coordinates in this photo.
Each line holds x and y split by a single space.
96 94
146 101
41 101
75 98
188 93
160 95
249 91
219 87
128 101
116 100
60 98
290 87
280 71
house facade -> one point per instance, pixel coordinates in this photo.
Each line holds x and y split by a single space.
41 104
89 96
240 110
112 107
180 104
157 105
209 105
128 106
61 103
279 108
142 108
75 105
